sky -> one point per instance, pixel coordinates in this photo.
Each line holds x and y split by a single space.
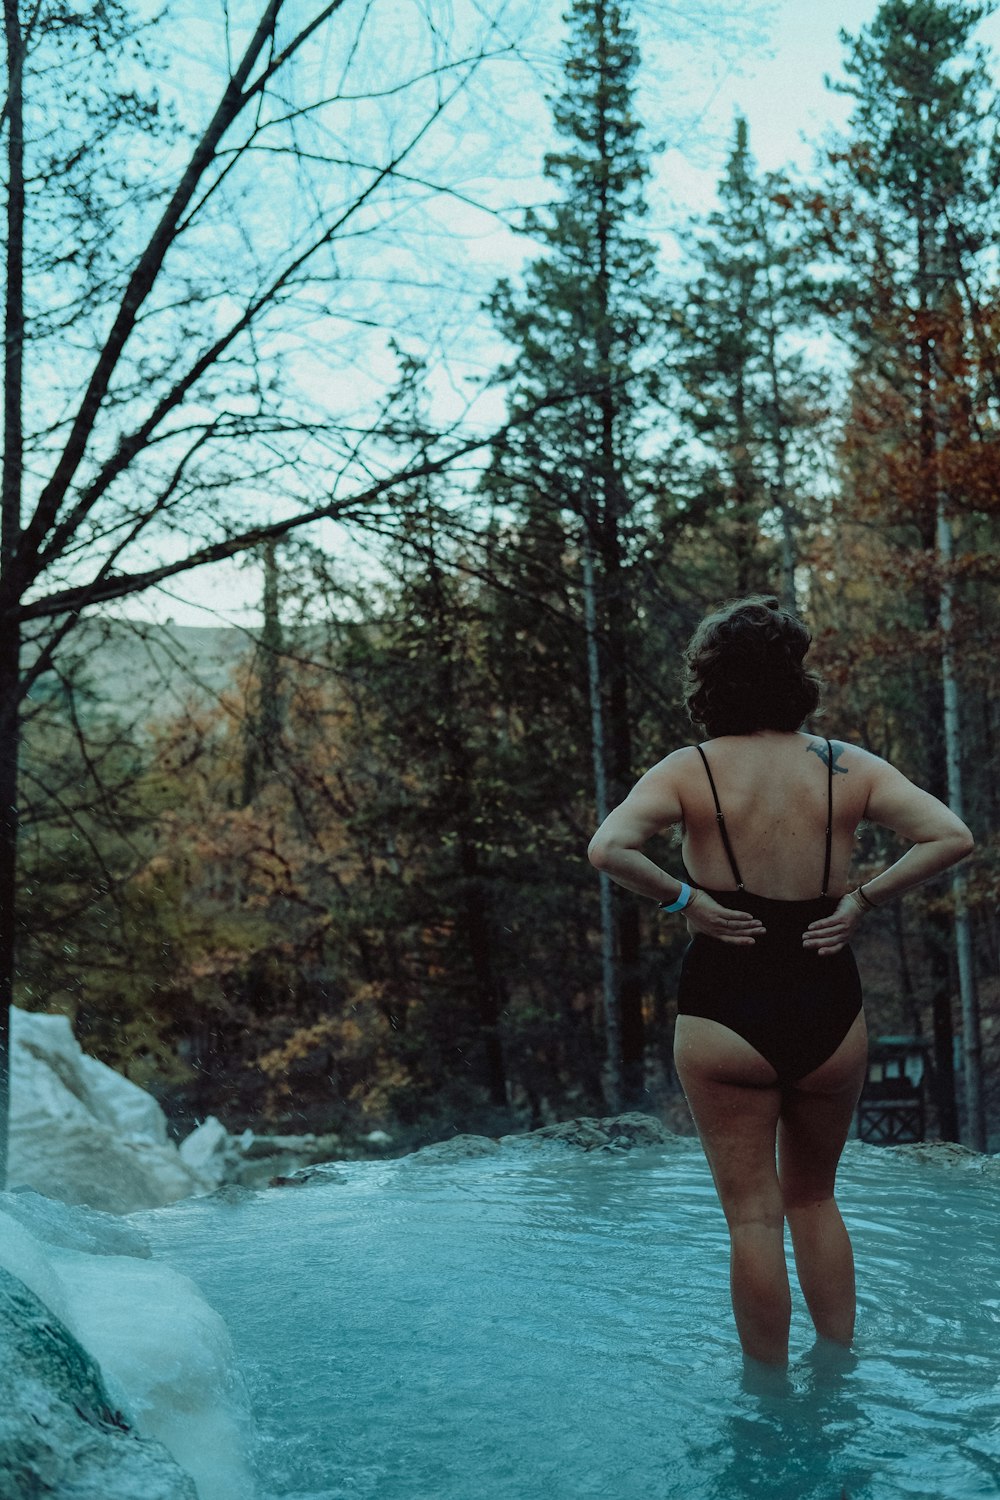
779 86
689 97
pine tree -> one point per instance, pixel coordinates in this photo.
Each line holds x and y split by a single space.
584 323
909 216
748 398
263 724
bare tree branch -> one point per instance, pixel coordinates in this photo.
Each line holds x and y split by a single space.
235 98
102 588
129 447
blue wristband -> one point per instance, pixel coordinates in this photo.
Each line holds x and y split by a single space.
682 899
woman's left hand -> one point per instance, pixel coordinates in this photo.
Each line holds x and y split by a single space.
829 934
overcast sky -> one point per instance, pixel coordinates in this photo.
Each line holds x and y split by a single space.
694 84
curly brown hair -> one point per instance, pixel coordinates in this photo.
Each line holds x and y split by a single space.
744 669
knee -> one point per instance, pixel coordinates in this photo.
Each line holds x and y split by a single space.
800 1198
765 1213
805 1187
753 1197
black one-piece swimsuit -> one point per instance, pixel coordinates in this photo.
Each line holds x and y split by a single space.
792 1005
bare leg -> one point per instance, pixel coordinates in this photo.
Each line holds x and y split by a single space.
735 1102
815 1118
758 1284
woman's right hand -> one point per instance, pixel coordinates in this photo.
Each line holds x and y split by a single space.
706 915
829 934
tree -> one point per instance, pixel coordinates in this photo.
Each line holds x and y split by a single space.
586 318
153 421
264 718
910 217
740 326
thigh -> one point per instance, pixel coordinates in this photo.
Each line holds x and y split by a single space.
816 1117
733 1095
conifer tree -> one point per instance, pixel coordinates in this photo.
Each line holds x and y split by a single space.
425 659
748 397
910 218
584 321
262 727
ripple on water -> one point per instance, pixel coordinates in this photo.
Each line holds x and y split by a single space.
558 1326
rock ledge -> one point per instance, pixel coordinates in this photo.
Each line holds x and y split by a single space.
59 1433
626 1132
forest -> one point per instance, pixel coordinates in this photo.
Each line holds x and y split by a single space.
351 890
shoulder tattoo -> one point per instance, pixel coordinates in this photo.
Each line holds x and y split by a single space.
838 750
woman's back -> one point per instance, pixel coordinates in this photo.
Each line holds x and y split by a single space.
773 789
769 1042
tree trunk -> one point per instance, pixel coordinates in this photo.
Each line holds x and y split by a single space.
633 1039
944 1045
743 476
479 936
612 1023
780 444
905 977
9 740
10 535
264 719
972 1045
632 1030
480 946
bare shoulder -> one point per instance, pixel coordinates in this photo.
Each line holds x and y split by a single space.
665 784
846 758
896 802
676 763
653 805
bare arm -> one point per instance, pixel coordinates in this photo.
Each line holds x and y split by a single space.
651 806
939 840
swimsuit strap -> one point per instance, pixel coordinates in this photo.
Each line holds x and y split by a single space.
829 817
720 819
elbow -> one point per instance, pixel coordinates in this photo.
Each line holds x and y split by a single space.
955 843
598 851
603 851
964 843
607 854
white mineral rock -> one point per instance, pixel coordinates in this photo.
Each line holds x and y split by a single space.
208 1149
82 1133
156 1354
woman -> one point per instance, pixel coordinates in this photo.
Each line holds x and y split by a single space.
770 1044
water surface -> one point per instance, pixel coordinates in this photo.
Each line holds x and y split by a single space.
552 1324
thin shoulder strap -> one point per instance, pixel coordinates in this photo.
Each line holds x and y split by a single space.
720 819
829 817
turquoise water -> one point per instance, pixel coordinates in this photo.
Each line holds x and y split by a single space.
556 1325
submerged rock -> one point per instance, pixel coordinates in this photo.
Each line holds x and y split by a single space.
60 1435
232 1194
613 1133
304 1175
253 1160
626 1132
457 1148
946 1153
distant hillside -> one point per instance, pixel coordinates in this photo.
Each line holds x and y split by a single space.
143 671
